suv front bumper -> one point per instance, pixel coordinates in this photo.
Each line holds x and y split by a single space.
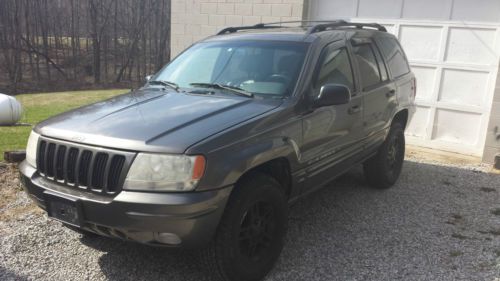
187 219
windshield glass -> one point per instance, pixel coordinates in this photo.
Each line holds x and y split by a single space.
262 68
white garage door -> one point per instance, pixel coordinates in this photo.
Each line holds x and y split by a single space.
453 54
456 68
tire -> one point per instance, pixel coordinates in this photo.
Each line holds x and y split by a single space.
383 169
251 233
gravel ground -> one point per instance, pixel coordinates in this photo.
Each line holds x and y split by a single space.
440 222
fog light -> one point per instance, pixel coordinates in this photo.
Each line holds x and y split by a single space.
167 238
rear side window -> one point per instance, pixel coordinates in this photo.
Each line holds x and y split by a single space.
381 65
335 68
394 56
367 64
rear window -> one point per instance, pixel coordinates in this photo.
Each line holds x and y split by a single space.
394 55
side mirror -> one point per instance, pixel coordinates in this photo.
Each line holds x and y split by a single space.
149 78
332 94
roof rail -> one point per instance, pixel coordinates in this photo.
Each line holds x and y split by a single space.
332 25
271 25
238 28
321 25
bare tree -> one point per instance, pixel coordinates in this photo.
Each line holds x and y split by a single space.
52 45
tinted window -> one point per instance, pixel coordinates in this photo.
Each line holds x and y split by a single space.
263 68
394 56
335 68
383 70
367 65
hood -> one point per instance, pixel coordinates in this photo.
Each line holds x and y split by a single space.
153 120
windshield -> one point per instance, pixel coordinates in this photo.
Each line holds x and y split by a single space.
261 68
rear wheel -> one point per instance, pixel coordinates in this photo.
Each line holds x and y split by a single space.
251 234
383 169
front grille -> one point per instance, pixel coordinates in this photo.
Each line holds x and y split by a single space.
95 169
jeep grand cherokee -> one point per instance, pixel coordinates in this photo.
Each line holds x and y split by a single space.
217 144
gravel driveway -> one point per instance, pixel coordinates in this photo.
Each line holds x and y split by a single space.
440 222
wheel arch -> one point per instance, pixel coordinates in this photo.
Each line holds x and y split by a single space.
279 169
401 117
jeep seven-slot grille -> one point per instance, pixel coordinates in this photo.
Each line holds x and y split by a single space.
92 169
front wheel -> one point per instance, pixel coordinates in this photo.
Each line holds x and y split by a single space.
383 169
251 233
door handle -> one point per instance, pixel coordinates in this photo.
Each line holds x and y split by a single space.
354 109
390 93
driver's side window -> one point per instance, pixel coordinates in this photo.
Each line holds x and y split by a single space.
334 68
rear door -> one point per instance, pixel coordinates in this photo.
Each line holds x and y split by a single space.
378 91
399 69
331 134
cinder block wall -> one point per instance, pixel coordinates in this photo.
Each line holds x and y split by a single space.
492 145
193 20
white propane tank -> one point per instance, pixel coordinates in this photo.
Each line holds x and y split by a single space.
10 110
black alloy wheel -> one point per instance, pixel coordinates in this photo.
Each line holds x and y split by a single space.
383 169
251 233
256 231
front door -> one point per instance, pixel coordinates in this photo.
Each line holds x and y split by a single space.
379 93
331 134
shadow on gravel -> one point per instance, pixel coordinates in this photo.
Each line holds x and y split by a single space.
6 275
130 261
437 223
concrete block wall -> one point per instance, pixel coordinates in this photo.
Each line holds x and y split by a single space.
193 20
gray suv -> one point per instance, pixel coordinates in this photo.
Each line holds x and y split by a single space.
212 150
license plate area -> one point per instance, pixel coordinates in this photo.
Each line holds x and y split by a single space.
64 209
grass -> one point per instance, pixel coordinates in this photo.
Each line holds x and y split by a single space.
38 107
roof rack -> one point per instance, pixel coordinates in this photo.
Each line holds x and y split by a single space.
320 25
238 28
269 25
333 25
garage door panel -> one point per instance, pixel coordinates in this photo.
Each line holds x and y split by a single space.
421 42
420 9
456 127
380 8
471 46
426 81
463 87
418 124
333 9
477 10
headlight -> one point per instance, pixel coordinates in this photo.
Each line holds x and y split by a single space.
159 172
31 148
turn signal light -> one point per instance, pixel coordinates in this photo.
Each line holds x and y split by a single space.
199 167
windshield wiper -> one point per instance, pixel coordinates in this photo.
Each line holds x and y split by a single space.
165 83
232 89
